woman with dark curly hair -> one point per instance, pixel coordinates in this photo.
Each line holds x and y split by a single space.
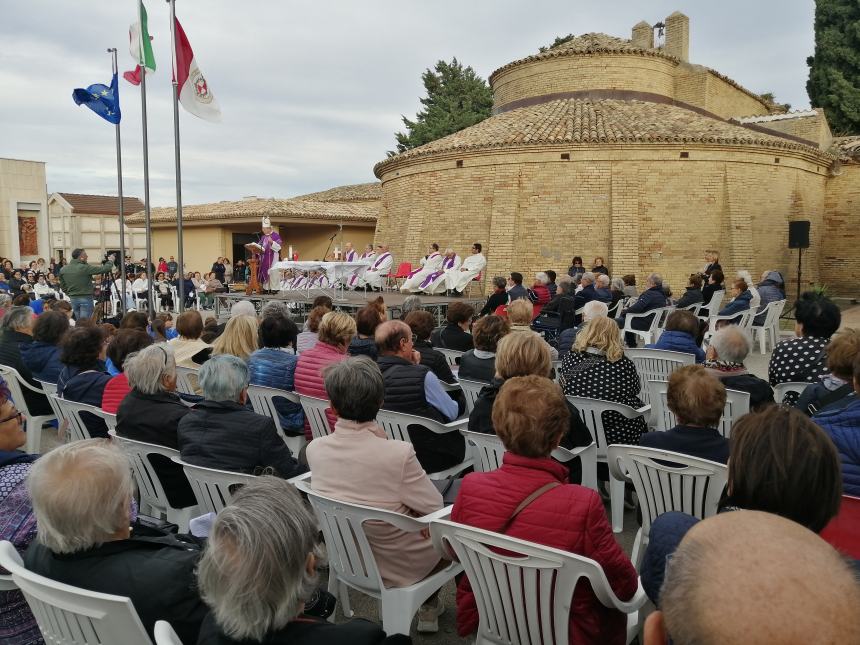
84 375
479 364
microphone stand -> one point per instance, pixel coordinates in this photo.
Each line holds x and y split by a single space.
328 248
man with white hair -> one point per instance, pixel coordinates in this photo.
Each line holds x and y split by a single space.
377 273
588 292
591 310
650 299
82 496
755 578
430 263
17 331
601 288
725 358
221 432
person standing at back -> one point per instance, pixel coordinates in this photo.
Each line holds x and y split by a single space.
76 280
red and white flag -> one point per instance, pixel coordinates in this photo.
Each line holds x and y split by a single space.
194 93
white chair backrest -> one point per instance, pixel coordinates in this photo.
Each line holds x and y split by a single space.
737 405
148 484
591 411
781 389
669 481
713 305
524 590
71 412
68 615
471 389
452 356
16 385
588 458
164 634
213 488
656 365
186 378
396 424
50 388
263 402
487 450
315 409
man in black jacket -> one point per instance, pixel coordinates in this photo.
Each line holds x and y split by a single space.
652 298
455 335
221 432
17 329
82 498
725 360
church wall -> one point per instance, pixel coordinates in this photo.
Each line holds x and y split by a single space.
643 210
813 128
637 73
840 258
697 86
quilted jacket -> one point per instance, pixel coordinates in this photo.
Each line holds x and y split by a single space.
843 426
678 341
272 367
308 377
115 392
567 517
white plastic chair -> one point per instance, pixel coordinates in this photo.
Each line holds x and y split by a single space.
68 615
315 412
186 380
780 390
523 590
396 426
587 457
694 309
471 389
153 499
213 488
651 334
164 634
352 563
737 405
263 402
713 305
32 424
768 331
656 365
667 481
452 356
487 450
591 411
70 412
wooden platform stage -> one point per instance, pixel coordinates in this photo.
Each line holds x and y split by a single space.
351 301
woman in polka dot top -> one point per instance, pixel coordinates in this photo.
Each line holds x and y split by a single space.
597 368
803 358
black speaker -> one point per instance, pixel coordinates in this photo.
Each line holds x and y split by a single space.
798 234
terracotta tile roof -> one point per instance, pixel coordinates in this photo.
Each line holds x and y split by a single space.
273 208
350 193
594 121
101 204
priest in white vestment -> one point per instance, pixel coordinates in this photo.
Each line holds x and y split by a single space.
429 264
456 281
434 282
377 273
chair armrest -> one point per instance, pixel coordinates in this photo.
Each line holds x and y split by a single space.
24 383
449 387
454 426
645 409
298 478
442 514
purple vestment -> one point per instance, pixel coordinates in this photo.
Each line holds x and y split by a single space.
267 257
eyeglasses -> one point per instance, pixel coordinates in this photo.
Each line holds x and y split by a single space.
17 416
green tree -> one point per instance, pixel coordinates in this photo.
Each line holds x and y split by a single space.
559 40
456 98
834 70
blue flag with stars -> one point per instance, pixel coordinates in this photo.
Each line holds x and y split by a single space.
101 99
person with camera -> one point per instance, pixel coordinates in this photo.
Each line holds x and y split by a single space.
76 280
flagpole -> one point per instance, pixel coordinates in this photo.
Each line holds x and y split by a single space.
122 299
146 204
176 154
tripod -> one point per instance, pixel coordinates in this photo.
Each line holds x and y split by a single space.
789 313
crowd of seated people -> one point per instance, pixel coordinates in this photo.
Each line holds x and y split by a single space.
779 461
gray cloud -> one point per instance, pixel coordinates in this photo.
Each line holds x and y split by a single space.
312 92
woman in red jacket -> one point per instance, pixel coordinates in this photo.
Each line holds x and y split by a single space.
539 293
530 417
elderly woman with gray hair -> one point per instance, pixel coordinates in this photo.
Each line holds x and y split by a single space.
358 464
268 528
151 412
17 330
221 432
82 494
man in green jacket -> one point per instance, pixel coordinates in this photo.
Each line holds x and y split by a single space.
76 281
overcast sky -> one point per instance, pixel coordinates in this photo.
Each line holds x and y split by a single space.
312 92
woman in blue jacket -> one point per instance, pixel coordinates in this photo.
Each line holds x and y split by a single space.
741 302
42 356
680 335
275 365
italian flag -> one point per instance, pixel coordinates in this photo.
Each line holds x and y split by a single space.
194 93
140 47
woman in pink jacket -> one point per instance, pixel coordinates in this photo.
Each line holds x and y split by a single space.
530 416
335 334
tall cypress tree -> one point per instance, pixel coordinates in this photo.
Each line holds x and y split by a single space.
456 98
834 70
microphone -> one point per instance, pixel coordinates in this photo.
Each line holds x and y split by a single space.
333 235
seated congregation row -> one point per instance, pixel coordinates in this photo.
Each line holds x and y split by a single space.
77 502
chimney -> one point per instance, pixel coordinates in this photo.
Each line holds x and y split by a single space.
643 35
678 37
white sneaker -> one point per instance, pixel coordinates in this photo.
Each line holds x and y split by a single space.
428 616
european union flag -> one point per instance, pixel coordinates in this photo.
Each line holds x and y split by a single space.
101 99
